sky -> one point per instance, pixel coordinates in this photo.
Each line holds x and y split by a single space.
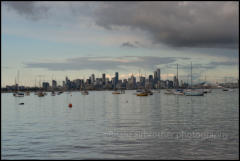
42 41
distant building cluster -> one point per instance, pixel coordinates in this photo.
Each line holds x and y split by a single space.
151 82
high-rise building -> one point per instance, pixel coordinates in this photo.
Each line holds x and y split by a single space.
116 76
92 78
155 77
159 74
66 79
104 78
54 84
68 83
150 78
175 82
45 85
77 83
142 81
115 80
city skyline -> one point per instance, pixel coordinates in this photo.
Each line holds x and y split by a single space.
155 77
38 38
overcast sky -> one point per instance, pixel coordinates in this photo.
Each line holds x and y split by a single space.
51 40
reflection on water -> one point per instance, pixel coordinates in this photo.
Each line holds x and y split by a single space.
106 126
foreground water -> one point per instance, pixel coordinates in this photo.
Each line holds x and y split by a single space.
106 126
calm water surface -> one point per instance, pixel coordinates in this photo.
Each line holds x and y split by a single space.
106 126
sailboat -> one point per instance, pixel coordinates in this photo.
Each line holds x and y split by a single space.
116 92
84 92
168 91
206 88
178 91
40 94
193 92
27 93
17 92
142 94
53 93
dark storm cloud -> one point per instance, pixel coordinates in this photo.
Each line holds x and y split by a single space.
178 24
104 63
28 8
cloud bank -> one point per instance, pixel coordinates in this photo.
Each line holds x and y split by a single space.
176 24
148 63
104 63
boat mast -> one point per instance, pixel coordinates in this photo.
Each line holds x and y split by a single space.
177 71
18 80
191 75
177 76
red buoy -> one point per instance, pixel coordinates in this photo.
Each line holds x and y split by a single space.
70 105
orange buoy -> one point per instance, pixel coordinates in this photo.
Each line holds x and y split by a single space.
70 105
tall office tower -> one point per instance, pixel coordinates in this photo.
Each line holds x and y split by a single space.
45 85
66 79
104 78
155 77
54 84
92 78
116 76
177 77
115 80
175 82
159 74
142 81
150 78
67 83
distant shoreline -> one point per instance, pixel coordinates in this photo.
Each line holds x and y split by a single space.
98 90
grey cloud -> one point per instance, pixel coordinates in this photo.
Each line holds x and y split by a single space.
29 9
178 24
103 63
128 44
121 63
198 68
224 63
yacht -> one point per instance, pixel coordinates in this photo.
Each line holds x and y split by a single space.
207 91
169 91
40 94
142 94
193 93
18 94
116 92
85 92
53 93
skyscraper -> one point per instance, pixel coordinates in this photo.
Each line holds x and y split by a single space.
175 82
45 85
155 77
116 76
115 80
150 78
92 78
104 78
159 74
54 84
